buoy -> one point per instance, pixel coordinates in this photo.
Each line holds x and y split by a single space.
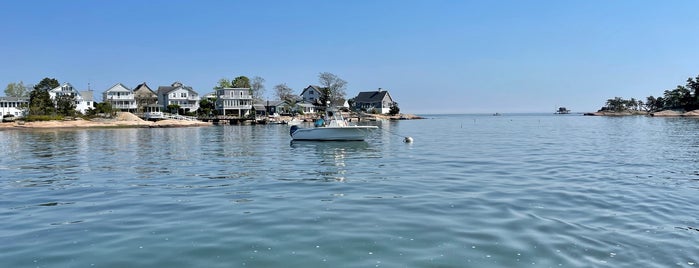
408 139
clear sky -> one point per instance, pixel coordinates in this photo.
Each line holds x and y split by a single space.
432 56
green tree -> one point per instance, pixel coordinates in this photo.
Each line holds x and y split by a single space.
283 92
394 110
173 109
257 88
332 86
206 107
223 83
65 104
241 82
40 102
18 90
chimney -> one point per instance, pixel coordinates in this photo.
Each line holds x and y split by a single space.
379 89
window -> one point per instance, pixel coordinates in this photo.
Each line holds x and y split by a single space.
310 92
183 94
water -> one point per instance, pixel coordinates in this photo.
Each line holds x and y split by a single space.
471 191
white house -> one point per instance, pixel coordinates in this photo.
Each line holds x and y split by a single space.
233 101
120 97
379 101
177 94
83 99
13 106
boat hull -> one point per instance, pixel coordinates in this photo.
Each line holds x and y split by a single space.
348 133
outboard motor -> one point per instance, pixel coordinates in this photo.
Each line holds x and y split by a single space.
293 129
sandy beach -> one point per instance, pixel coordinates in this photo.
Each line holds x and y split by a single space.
122 120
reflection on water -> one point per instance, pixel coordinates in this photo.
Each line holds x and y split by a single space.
332 155
472 191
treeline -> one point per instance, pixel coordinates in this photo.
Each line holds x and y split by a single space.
683 97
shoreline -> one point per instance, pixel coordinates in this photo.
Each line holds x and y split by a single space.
128 120
663 113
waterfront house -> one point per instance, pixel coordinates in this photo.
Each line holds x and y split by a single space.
146 99
13 106
379 101
306 108
120 97
83 99
233 101
177 94
312 94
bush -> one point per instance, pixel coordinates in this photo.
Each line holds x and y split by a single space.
33 118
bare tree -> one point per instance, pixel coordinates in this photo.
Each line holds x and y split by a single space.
333 87
283 92
257 88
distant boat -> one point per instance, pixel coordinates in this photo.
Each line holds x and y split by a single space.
562 110
336 129
496 114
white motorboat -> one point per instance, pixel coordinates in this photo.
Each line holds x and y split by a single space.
335 129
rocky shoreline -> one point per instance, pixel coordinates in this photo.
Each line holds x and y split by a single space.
123 120
663 113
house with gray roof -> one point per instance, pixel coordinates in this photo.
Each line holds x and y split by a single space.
233 101
379 101
146 99
13 106
83 99
178 94
312 94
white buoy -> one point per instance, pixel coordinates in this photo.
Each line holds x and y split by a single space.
408 139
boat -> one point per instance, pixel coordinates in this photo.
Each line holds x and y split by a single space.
333 128
562 110
294 121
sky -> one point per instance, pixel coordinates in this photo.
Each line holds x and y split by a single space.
432 56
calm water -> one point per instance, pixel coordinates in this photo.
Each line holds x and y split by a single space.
471 191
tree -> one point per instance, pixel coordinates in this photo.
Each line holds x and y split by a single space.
241 82
283 92
65 104
173 109
206 107
257 88
394 110
17 90
39 99
223 83
332 86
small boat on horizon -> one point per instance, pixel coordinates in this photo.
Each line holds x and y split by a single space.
562 110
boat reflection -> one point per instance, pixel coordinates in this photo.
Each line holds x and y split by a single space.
332 157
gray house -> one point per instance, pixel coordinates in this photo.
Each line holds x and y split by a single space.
379 101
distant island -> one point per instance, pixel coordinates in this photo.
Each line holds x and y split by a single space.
683 100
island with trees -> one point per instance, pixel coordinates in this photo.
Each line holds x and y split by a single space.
683 100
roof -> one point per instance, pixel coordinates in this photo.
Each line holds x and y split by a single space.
164 90
371 96
118 87
87 95
317 88
143 86
13 99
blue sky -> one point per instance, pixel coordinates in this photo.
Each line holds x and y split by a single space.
433 56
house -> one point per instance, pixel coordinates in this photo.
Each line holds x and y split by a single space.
177 94
83 99
146 99
379 101
120 97
312 94
233 101
306 108
13 106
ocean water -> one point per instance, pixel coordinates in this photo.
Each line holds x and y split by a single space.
471 191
